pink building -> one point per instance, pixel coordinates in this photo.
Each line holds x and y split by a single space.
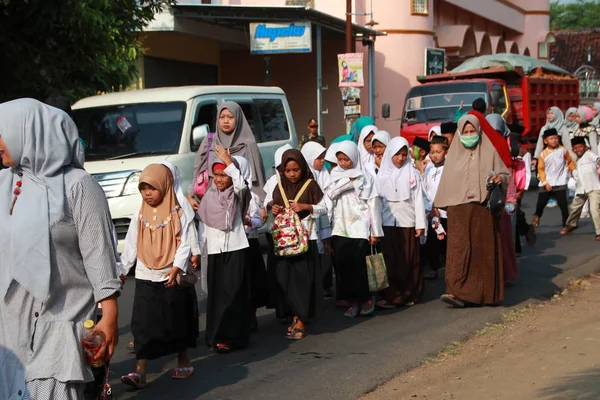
208 42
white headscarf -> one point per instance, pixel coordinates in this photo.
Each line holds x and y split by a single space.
43 141
435 131
188 212
311 151
393 183
363 183
279 154
331 152
382 137
365 156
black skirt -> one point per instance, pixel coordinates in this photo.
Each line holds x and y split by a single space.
299 281
229 312
164 320
276 298
258 275
401 252
351 267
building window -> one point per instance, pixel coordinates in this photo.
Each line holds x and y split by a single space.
419 7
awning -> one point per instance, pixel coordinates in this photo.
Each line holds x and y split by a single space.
238 17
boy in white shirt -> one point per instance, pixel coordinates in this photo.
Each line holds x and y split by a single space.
435 246
588 186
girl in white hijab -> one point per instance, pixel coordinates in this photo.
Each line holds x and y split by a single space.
356 227
364 144
404 221
378 144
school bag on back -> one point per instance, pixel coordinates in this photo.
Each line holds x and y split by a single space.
290 238
202 180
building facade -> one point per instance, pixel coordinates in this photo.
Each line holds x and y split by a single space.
212 48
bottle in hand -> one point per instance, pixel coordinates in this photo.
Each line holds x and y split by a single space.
92 341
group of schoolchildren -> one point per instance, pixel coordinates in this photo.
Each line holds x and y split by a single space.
353 200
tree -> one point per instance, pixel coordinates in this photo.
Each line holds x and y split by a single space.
73 47
582 14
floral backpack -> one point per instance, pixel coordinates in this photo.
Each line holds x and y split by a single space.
290 237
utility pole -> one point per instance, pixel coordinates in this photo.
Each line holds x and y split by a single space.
348 26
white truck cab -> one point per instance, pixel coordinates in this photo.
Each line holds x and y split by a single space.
126 131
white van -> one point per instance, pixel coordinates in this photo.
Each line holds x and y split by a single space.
124 132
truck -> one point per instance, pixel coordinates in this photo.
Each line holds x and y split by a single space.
521 95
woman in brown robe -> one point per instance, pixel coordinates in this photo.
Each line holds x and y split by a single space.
474 258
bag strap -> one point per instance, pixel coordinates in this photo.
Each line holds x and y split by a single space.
210 138
285 199
302 190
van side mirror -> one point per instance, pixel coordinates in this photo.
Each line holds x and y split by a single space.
199 133
386 111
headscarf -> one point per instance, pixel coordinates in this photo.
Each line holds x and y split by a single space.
586 114
393 183
498 123
494 137
312 194
240 142
218 208
382 137
365 156
359 125
279 153
435 131
596 120
571 125
363 183
559 119
465 171
43 142
311 151
330 154
159 229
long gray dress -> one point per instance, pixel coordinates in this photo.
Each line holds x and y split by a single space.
40 343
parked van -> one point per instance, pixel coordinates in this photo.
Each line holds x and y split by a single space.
126 131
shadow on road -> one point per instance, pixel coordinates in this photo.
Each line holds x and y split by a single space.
580 386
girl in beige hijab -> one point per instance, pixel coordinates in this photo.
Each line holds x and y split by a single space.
165 315
473 261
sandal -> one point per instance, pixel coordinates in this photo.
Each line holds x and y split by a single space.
131 347
294 334
222 348
367 309
133 379
453 301
182 373
385 305
432 276
536 221
530 236
352 312
342 304
567 229
291 328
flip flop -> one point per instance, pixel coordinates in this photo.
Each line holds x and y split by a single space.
296 331
367 311
222 348
352 312
453 301
182 373
133 379
385 305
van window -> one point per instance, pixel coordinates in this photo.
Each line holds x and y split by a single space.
250 113
206 114
498 99
273 118
122 131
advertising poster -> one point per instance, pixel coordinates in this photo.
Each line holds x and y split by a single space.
351 70
351 99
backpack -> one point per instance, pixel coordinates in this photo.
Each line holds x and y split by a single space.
290 238
202 180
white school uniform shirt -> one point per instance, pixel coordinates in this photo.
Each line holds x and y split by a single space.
256 221
555 166
129 256
408 213
353 217
270 186
218 241
587 173
431 182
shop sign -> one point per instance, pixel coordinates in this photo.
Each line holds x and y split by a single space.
275 38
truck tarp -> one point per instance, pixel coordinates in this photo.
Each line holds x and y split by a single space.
528 64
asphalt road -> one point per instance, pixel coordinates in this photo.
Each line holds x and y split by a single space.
342 358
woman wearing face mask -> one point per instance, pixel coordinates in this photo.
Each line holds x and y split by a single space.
473 262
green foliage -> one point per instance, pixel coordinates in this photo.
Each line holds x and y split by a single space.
581 14
73 47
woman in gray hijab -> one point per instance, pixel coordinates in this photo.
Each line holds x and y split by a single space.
58 257
234 134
